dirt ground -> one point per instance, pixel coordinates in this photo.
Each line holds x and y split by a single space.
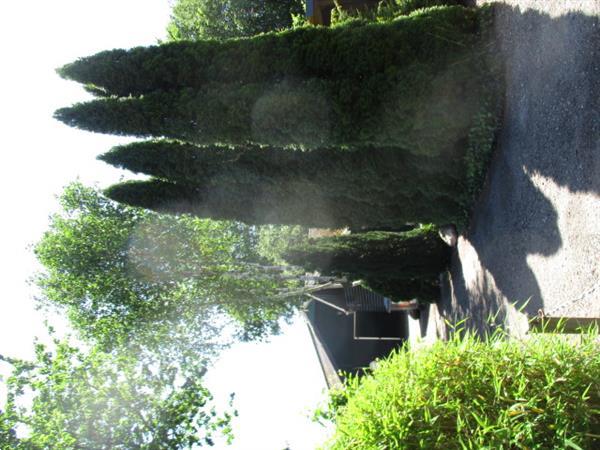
534 238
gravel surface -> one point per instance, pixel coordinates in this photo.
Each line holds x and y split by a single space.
535 234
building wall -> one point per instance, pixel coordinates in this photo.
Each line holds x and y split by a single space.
336 331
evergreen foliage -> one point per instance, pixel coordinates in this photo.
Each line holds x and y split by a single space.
414 82
390 104
364 188
430 119
400 265
227 114
432 38
226 202
386 10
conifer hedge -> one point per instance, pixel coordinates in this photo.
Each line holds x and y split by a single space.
415 83
428 119
218 113
399 265
353 51
367 187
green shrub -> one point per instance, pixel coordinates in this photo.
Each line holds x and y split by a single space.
421 113
542 393
405 7
410 91
401 265
304 205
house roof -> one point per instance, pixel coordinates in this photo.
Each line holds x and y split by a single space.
344 327
325 357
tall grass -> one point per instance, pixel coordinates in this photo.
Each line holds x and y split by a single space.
543 393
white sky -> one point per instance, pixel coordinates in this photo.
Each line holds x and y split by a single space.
277 384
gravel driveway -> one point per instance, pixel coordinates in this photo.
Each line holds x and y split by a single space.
535 233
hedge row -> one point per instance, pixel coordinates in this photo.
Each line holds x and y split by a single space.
227 202
362 125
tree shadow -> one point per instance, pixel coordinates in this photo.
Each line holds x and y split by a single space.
550 133
424 319
552 113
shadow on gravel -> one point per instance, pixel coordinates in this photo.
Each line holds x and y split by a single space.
552 115
551 127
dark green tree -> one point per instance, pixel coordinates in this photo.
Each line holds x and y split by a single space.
395 83
96 400
227 202
226 19
367 187
401 265
426 42
309 114
162 285
285 203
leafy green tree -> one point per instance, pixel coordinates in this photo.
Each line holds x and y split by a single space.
401 265
162 285
96 400
367 187
274 240
226 19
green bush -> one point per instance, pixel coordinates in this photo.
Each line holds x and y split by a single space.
422 113
542 393
401 265
304 205
409 91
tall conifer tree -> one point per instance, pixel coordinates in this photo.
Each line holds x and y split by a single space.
430 120
393 84
401 265
430 40
367 187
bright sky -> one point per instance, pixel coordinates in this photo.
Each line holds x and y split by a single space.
278 383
